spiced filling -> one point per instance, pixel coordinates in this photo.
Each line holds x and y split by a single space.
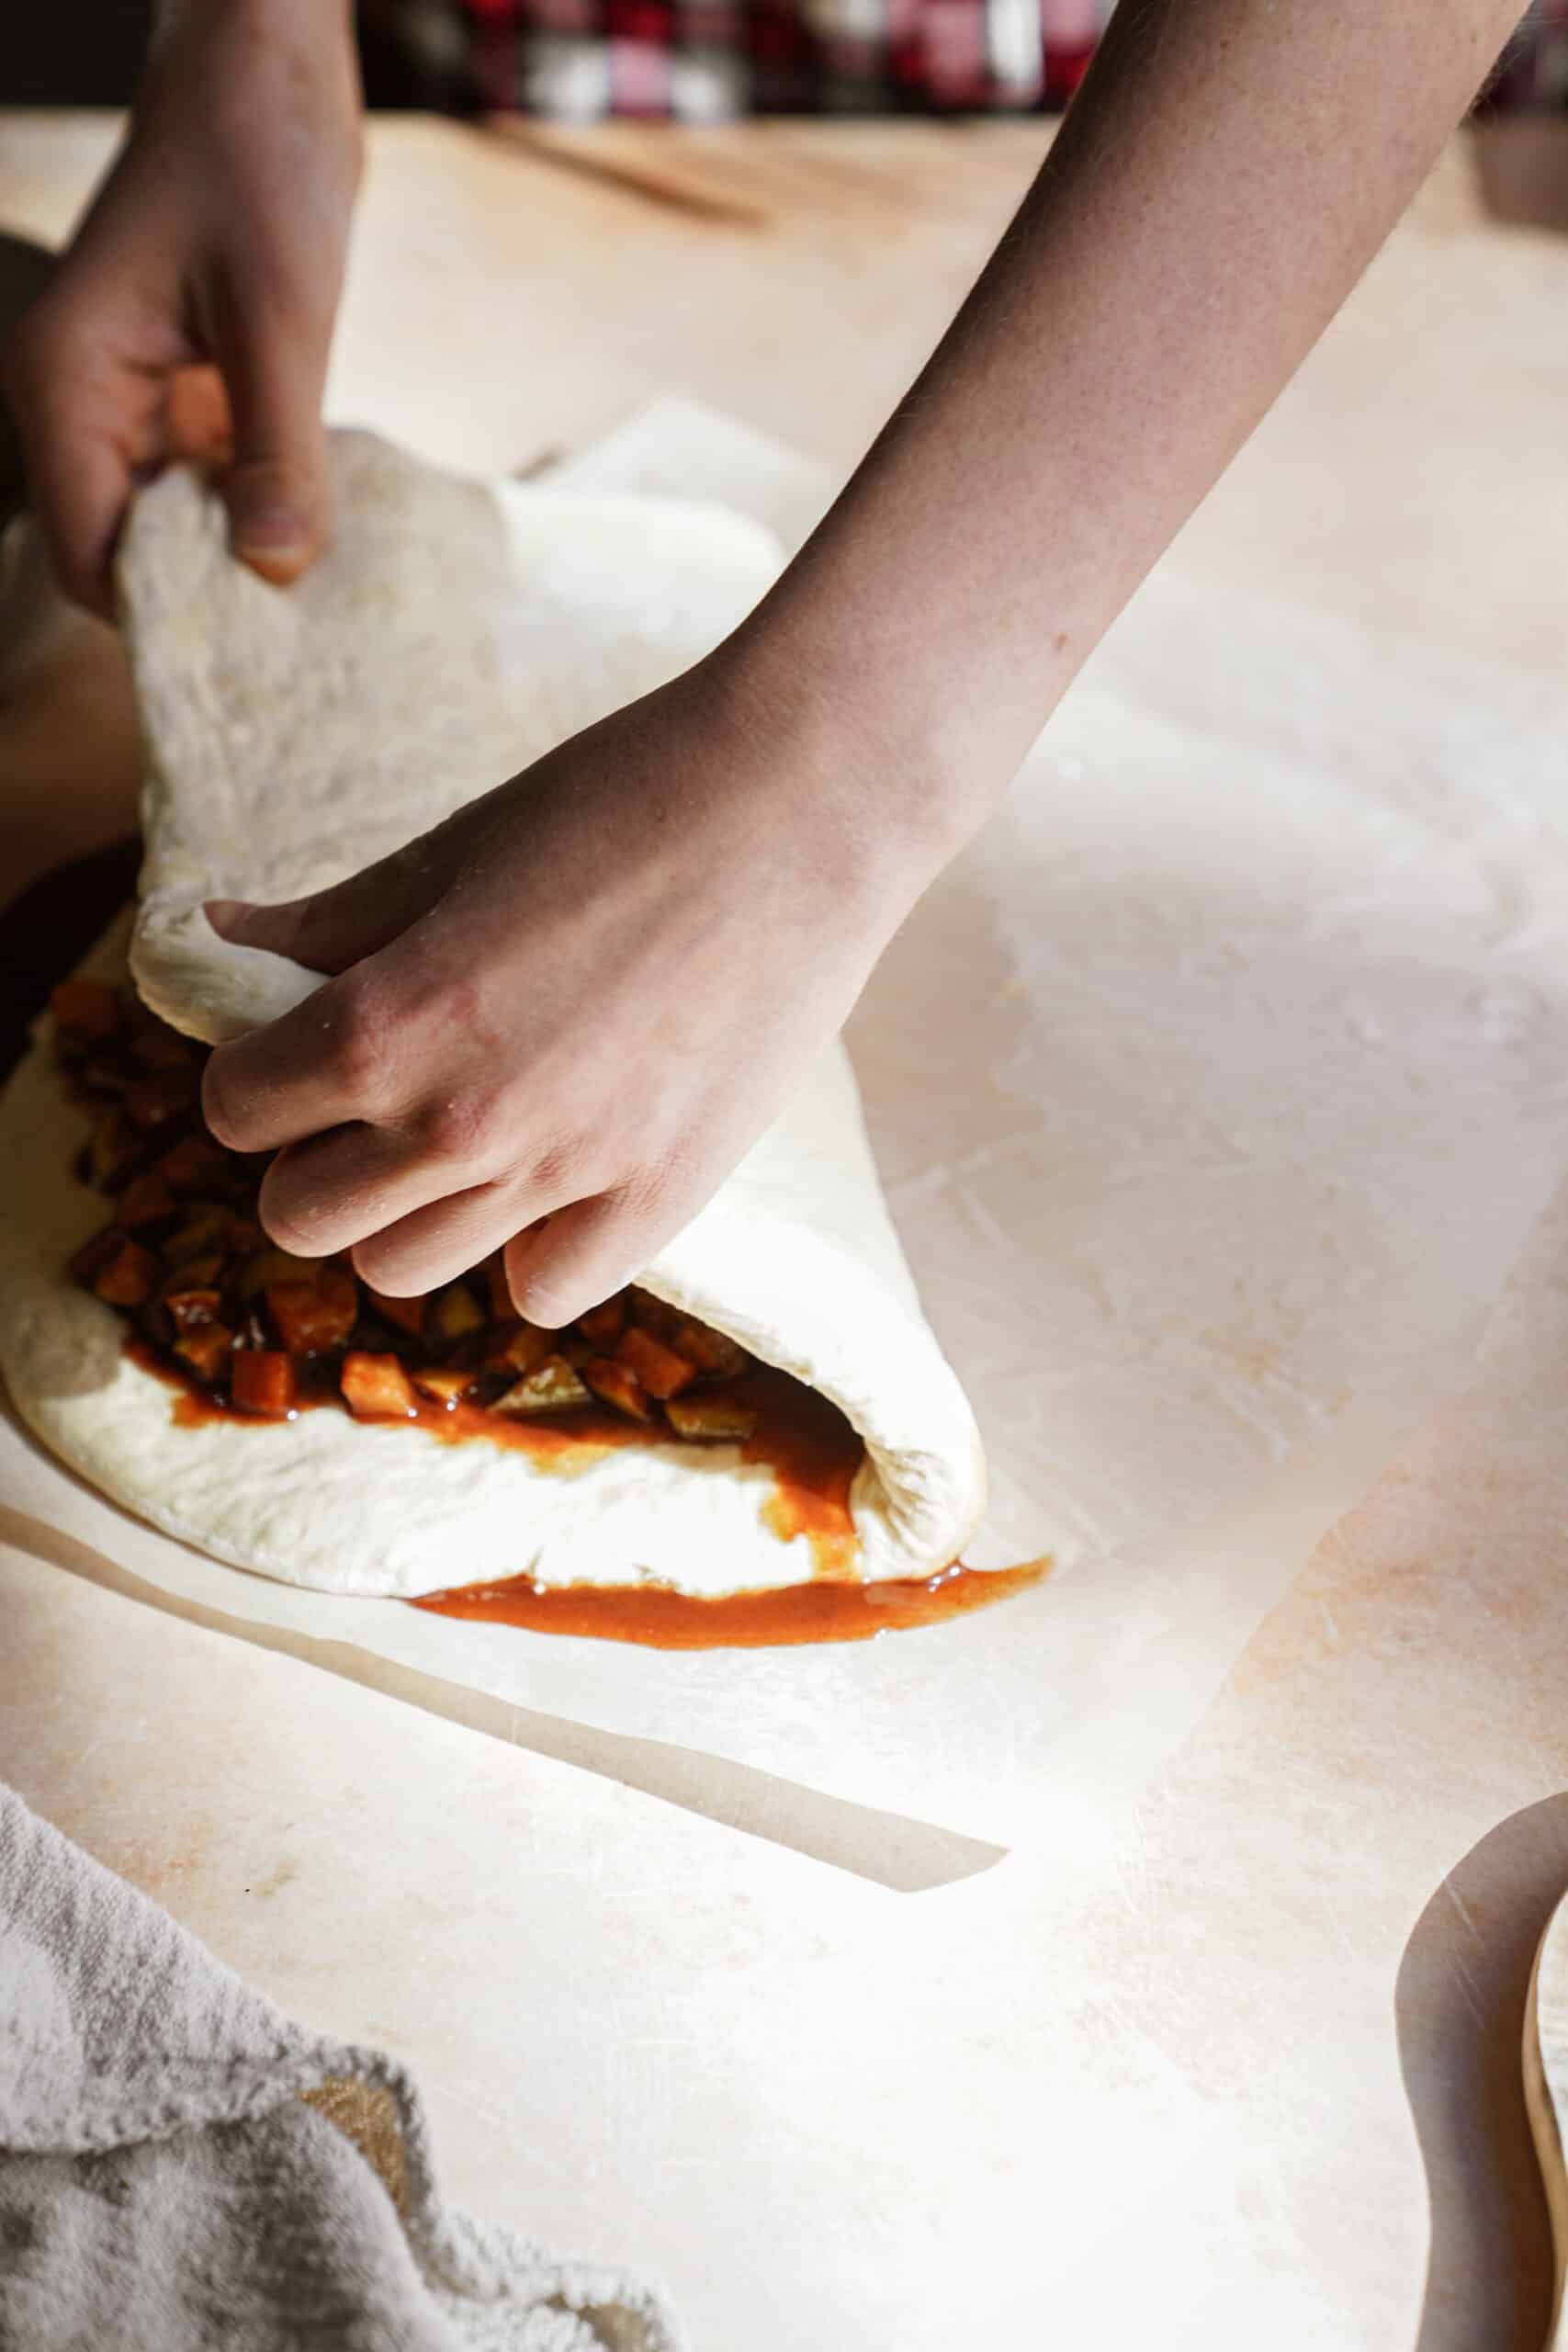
248 1330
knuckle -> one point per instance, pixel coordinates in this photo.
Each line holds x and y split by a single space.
363 1044
459 1129
564 1169
644 1194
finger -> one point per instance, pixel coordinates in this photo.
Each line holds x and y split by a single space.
275 490
437 1243
580 1255
332 1060
333 1190
198 427
77 417
335 928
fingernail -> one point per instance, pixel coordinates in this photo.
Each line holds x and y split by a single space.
272 537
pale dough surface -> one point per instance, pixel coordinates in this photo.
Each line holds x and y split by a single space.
289 743
454 632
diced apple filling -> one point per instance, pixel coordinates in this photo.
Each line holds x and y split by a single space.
127 1276
377 1388
603 1325
713 1415
192 1302
516 1348
207 1350
455 1312
441 1384
408 1314
314 1315
193 1165
146 1200
262 1380
186 1260
619 1386
551 1387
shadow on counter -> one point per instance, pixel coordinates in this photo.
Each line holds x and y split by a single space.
894 1850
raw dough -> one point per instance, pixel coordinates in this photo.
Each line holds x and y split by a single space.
452 634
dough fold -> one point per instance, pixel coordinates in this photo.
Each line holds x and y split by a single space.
454 632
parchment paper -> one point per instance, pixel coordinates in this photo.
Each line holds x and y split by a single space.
1216 1091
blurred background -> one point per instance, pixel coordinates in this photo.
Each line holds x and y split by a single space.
692 60
705 61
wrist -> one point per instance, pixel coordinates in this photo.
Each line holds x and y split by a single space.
881 730
882 799
329 20
236 79
202 34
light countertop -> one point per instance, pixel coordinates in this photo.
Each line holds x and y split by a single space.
1188 2091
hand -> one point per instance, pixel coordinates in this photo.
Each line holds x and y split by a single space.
565 1015
193 314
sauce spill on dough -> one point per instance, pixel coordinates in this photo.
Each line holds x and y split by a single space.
806 1441
248 1335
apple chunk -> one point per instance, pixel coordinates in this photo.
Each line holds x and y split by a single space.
377 1388
552 1386
261 1380
711 1416
660 1371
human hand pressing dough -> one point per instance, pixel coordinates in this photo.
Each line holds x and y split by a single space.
560 1019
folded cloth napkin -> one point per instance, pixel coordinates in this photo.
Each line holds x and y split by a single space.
181 2166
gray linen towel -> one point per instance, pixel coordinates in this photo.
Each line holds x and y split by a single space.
182 2167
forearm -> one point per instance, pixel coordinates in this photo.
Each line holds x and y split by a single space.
1224 177
236 56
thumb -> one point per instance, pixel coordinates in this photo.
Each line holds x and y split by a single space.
332 929
275 489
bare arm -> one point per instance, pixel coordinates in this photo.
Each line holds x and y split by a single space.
689 897
1224 177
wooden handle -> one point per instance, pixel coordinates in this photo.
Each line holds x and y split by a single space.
1545 2057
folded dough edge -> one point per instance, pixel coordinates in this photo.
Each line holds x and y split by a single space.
450 636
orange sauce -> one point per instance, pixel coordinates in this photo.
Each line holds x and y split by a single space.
814 1455
804 1440
658 1619
565 1443
808 1443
